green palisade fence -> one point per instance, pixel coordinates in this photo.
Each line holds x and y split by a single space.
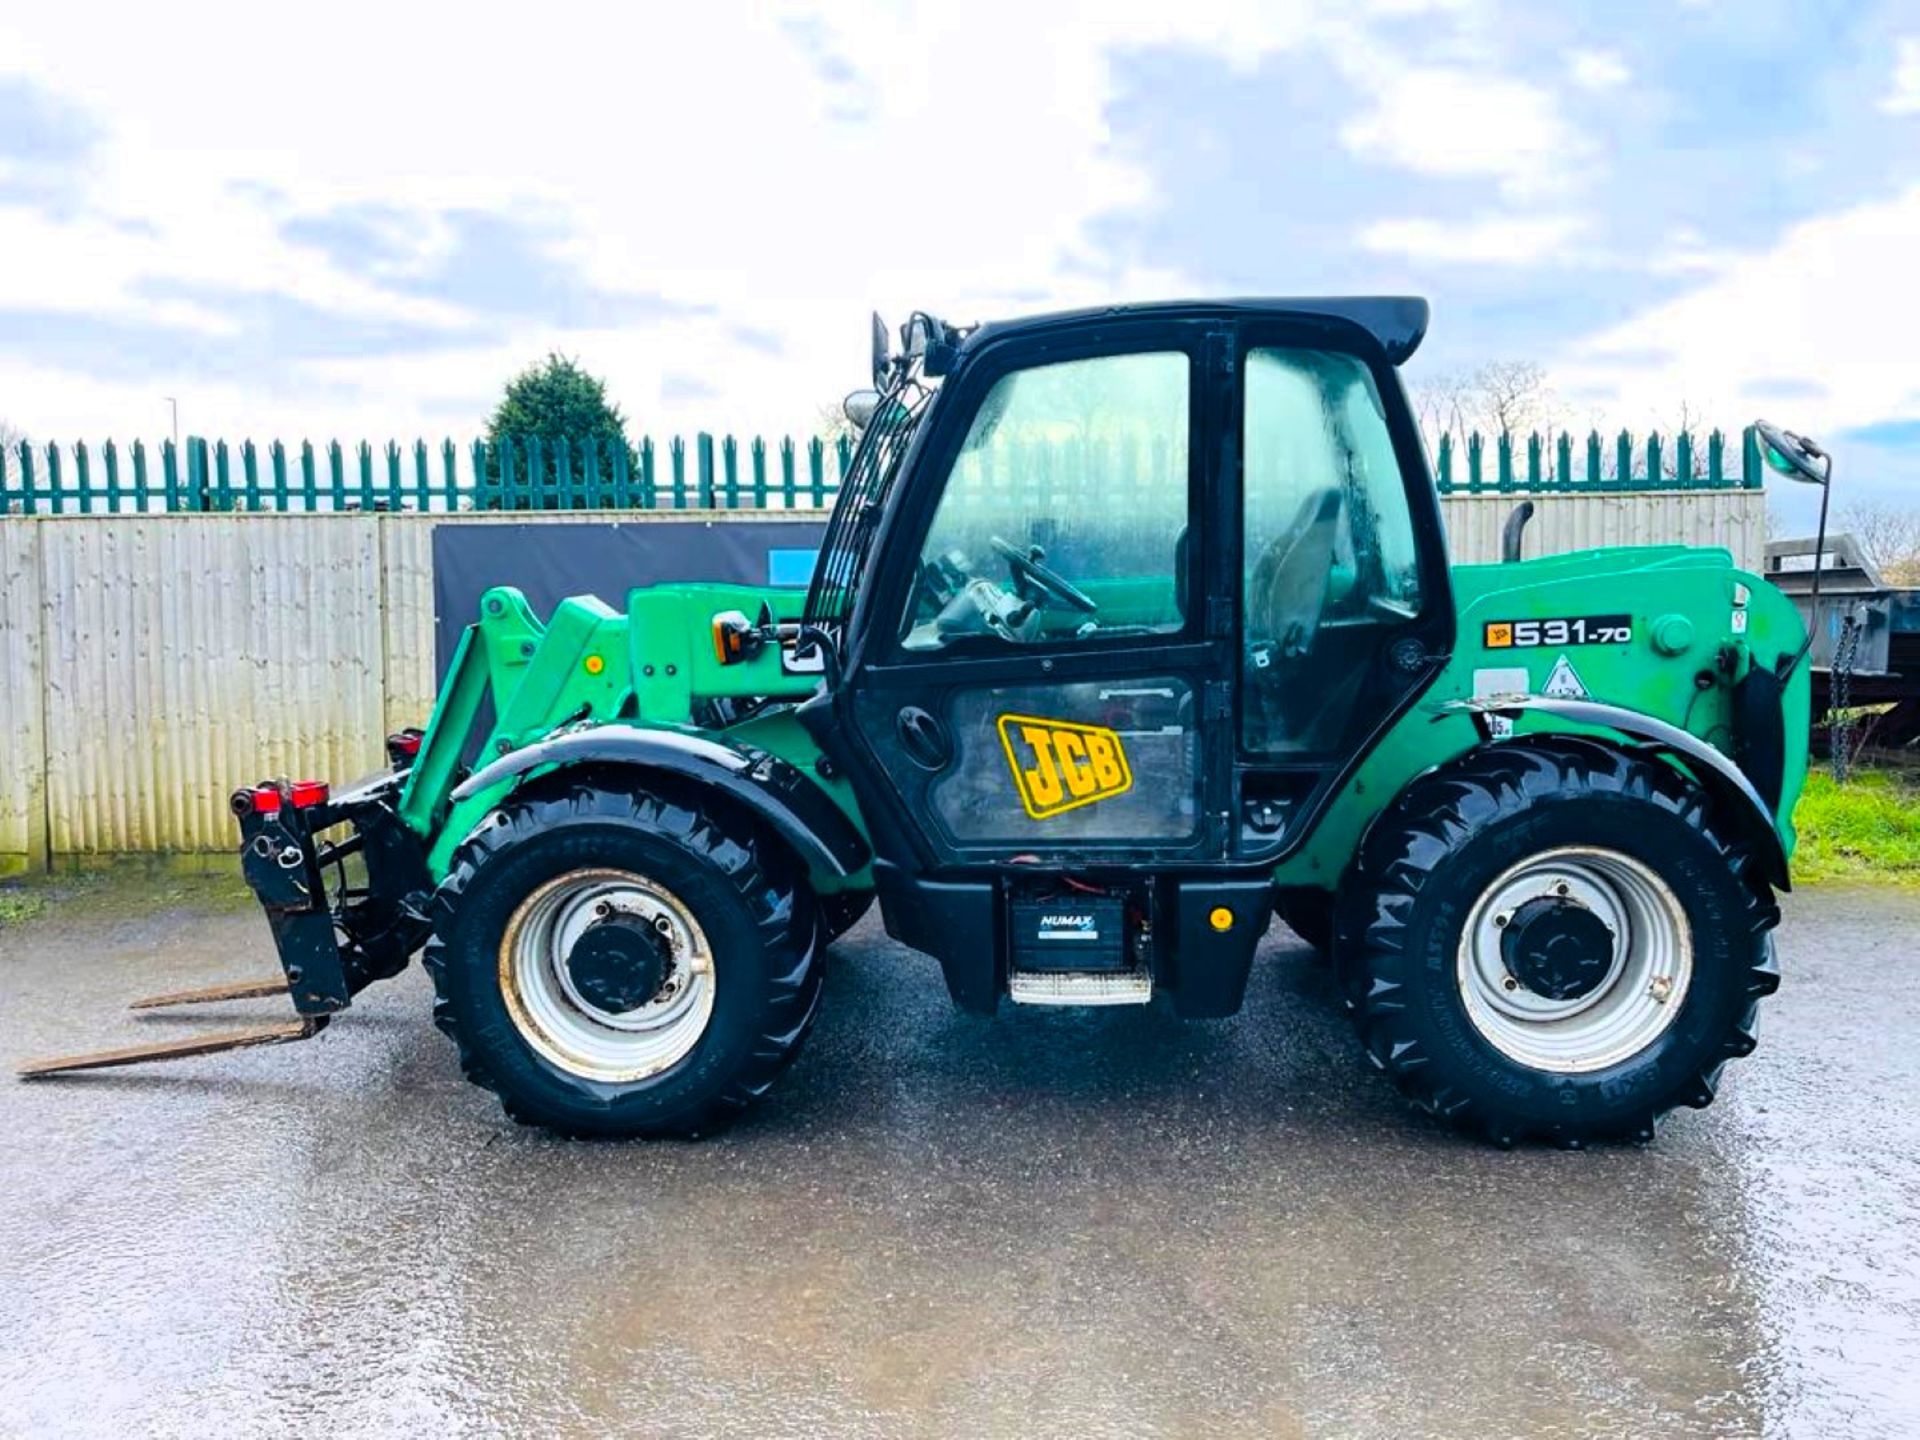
1560 463
534 473
558 473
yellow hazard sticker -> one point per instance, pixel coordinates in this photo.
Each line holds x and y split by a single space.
1059 765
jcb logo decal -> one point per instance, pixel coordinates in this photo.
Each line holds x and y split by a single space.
1059 765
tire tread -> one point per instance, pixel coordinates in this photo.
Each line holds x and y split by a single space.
1433 820
770 893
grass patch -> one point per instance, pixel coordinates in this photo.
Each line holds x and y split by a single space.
19 905
1865 830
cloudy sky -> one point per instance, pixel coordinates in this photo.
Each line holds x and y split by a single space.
357 219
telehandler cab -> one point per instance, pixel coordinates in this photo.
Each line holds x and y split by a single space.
1131 628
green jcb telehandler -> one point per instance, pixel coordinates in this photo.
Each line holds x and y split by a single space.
1131 628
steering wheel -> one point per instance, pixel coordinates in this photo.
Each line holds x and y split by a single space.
1030 566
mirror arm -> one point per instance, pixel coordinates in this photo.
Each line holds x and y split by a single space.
1813 590
1800 453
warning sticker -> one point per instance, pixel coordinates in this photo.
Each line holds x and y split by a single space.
1493 682
1564 683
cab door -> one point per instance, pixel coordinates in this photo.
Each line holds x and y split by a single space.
1036 680
1341 581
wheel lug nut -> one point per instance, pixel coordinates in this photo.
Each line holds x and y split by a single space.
1660 988
1562 888
1500 921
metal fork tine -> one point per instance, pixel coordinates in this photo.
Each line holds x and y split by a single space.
278 1033
213 994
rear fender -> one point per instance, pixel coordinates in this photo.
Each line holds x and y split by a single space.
773 790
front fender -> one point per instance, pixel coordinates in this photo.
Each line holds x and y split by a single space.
772 789
1722 778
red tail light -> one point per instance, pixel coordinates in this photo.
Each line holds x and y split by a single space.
307 793
266 800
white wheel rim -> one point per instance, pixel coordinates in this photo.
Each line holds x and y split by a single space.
1635 1001
571 1031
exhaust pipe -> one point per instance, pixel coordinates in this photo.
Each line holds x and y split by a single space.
1517 519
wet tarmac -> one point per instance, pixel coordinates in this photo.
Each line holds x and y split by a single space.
1109 1223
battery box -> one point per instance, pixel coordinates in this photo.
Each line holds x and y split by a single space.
1069 932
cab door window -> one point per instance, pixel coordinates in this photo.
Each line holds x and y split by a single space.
1330 560
1064 517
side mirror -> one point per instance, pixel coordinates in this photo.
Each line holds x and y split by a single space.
1793 456
917 335
859 407
882 353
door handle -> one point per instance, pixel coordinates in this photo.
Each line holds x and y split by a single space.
924 738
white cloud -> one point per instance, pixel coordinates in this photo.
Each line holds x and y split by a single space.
1597 70
1904 97
899 156
1817 307
1466 124
1500 239
889 155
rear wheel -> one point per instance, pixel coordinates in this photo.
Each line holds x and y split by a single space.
1553 938
612 962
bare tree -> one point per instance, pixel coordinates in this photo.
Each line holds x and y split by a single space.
1510 395
1890 536
12 437
1688 423
830 423
1514 396
1441 402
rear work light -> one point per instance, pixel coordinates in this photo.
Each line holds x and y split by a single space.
403 748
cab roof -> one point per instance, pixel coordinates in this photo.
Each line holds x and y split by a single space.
1397 323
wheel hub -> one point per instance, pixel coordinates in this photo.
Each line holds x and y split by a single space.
607 974
1557 947
1574 959
619 964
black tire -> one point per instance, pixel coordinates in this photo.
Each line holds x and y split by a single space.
1309 914
1443 843
757 916
840 912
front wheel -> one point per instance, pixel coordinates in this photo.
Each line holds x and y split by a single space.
614 962
841 911
1554 938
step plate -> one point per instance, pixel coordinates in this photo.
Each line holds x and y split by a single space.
1080 987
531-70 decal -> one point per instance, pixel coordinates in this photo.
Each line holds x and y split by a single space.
1567 630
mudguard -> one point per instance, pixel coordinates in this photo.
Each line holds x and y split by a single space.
797 809
1722 778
